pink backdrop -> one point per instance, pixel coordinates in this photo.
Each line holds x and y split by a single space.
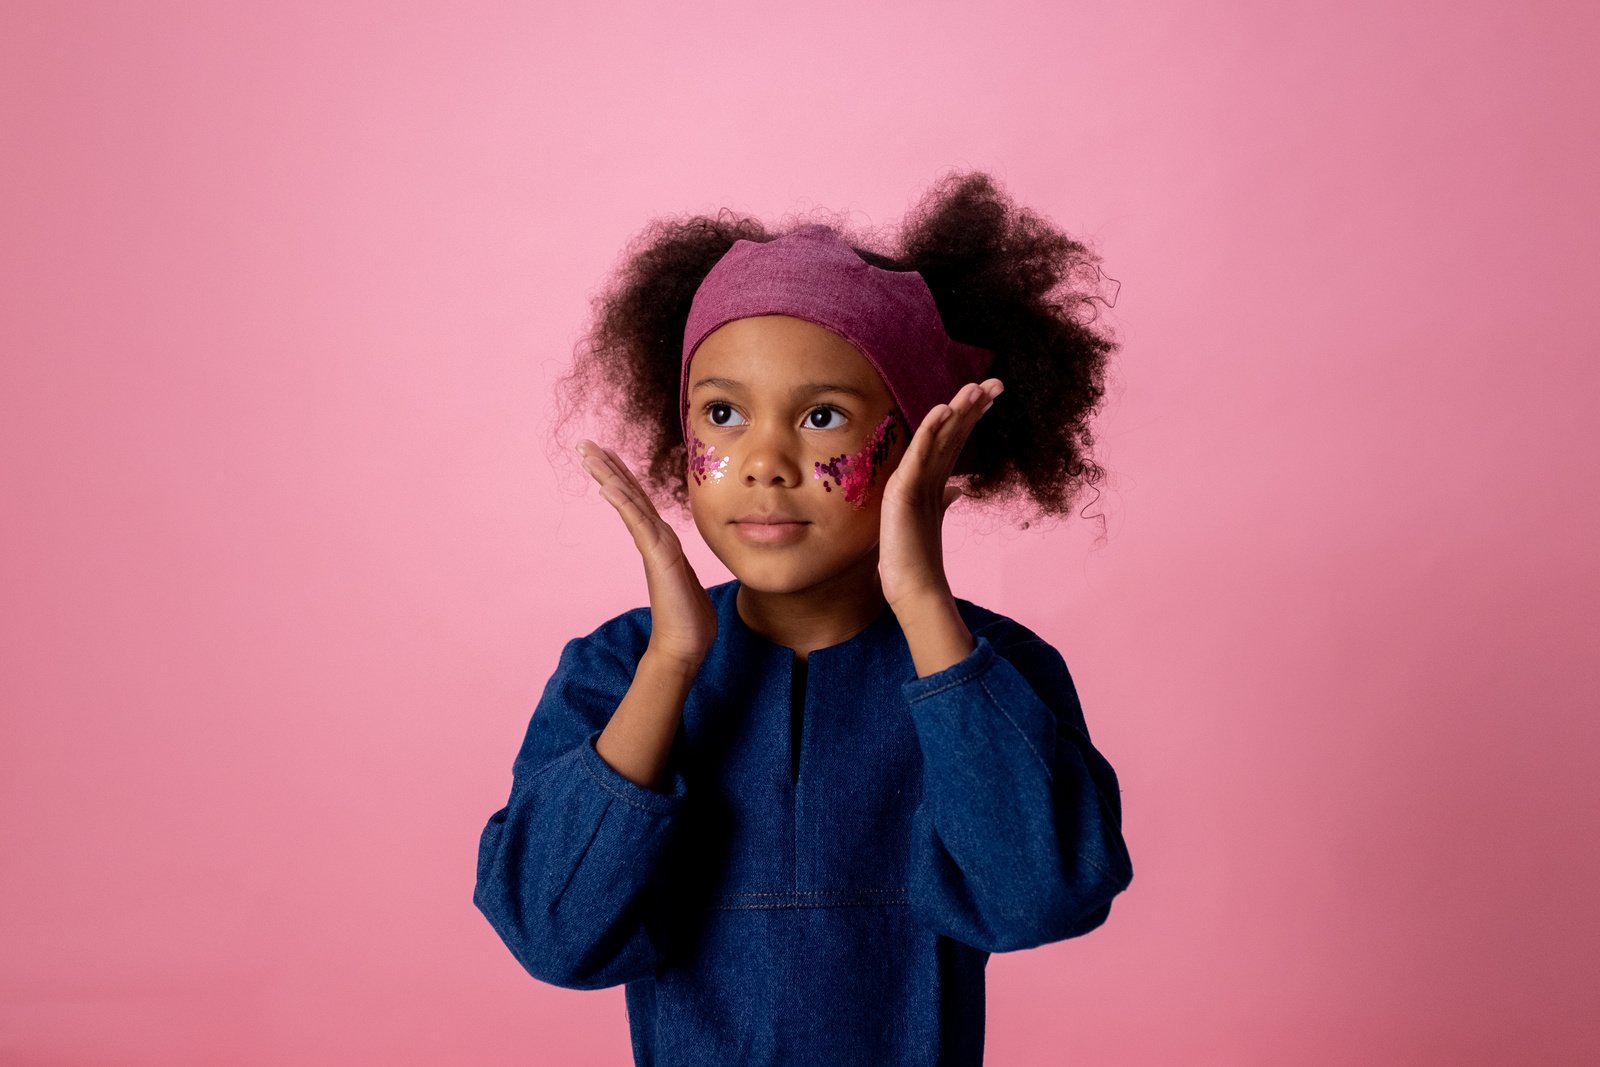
286 563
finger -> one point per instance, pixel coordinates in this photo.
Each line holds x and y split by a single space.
969 405
645 528
594 460
595 465
637 513
615 462
604 470
639 492
946 437
618 498
974 399
918 453
931 456
617 472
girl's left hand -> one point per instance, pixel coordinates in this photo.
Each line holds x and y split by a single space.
910 542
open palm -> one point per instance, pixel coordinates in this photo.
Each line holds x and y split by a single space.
910 541
683 621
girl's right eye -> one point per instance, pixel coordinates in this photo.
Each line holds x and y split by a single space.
720 414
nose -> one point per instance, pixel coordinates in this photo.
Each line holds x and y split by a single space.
770 458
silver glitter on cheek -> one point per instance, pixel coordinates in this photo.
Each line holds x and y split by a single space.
701 466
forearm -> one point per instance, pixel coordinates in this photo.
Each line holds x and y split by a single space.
935 633
638 739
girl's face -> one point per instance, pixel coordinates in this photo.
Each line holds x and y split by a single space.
790 424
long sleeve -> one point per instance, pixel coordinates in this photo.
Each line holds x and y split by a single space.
1017 839
565 868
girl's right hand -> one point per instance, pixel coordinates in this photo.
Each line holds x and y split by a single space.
683 622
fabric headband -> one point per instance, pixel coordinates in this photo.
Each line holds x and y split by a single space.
814 274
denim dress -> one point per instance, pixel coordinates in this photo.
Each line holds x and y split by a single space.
842 846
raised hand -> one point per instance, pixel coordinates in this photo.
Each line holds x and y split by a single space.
910 546
683 622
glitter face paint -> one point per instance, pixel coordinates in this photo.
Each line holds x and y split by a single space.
701 466
855 472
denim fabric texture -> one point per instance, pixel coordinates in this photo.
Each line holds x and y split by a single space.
835 905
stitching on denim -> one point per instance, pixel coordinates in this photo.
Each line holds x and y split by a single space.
547 764
618 793
587 845
1097 865
796 905
1048 775
826 898
975 671
814 892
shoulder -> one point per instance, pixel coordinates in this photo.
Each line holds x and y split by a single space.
1036 660
617 642
1001 631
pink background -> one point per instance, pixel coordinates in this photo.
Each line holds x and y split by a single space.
286 560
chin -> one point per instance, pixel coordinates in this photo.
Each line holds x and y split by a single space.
772 576
791 571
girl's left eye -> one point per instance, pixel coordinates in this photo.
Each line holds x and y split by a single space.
824 418
720 413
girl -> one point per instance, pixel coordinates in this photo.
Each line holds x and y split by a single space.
796 812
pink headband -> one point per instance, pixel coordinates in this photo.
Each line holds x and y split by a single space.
814 274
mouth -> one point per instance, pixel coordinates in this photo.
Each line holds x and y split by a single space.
769 529
769 519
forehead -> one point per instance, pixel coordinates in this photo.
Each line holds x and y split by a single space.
780 351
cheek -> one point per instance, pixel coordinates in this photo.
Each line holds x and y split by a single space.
855 473
705 464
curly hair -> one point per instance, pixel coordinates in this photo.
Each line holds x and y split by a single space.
1002 278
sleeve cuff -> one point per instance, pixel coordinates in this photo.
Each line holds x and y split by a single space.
977 663
629 792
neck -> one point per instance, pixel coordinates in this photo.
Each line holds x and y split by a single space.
829 613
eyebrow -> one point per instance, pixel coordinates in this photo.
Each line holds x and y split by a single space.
814 389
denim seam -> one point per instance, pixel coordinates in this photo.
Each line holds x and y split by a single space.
593 834
816 892
547 764
969 674
619 794
1097 865
1049 777
787 901
804 906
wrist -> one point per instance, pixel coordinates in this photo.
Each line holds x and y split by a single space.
930 594
669 666
929 604
935 632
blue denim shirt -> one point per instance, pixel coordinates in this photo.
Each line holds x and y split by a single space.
842 847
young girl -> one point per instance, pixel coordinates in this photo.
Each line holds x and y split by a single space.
796 812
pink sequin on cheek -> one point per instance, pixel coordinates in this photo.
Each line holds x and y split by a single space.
856 472
701 466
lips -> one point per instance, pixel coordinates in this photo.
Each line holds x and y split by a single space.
769 519
770 528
